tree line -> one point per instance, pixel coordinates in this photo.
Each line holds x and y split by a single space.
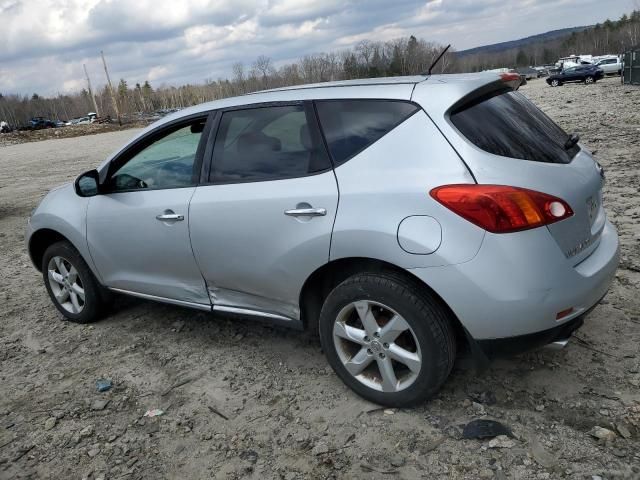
402 56
610 37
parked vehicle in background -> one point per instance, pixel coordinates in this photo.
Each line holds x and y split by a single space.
79 121
543 71
529 73
4 127
584 73
610 66
574 61
399 218
38 123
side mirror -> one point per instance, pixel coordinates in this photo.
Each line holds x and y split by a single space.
87 184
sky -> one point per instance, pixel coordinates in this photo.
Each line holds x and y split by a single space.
44 43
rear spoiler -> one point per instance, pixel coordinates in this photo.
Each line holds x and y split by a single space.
505 82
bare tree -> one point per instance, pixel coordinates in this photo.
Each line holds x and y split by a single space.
401 56
263 65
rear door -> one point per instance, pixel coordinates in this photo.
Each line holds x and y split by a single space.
570 74
505 139
263 222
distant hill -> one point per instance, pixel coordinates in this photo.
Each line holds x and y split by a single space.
523 42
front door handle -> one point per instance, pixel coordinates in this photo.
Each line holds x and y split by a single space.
306 212
170 217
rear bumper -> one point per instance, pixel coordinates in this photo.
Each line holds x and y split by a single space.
517 283
499 347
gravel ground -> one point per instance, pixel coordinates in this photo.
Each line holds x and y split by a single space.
245 400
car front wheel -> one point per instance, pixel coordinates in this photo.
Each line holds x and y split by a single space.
387 338
555 83
71 285
589 80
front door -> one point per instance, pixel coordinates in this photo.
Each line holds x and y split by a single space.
263 223
138 227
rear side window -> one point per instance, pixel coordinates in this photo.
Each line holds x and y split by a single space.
510 125
350 126
267 143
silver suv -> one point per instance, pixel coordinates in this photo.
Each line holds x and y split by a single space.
403 219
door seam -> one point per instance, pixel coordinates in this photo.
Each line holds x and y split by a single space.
193 253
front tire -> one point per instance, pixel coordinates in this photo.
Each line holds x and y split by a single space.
555 83
71 285
387 338
589 80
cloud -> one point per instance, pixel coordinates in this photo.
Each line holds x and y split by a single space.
44 43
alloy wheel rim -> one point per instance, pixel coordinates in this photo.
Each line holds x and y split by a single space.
66 285
589 80
377 346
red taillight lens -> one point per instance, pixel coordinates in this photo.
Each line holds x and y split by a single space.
500 208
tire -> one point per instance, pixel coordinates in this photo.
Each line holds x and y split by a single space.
589 80
359 357
62 288
555 83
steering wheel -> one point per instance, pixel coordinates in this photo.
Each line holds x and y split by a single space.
124 181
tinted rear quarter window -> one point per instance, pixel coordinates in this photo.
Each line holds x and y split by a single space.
510 125
350 126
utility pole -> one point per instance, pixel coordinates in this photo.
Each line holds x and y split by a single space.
113 97
93 98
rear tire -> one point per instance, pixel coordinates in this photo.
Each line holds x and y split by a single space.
387 338
71 285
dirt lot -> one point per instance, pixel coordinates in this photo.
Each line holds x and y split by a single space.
244 400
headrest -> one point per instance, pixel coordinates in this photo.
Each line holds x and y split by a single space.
305 137
255 142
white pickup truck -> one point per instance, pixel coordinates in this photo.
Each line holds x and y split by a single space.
610 66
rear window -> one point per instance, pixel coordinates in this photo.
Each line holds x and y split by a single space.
510 125
350 126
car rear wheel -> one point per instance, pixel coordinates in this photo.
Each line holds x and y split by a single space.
71 285
555 83
387 338
589 80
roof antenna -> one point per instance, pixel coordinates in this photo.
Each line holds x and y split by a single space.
435 62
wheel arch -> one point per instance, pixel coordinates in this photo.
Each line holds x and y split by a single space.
320 283
42 239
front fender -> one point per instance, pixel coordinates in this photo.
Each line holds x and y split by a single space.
65 213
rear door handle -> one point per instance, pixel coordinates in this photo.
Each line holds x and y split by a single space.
306 212
171 217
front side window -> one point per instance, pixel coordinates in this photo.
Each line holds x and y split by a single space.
350 126
168 162
267 143
510 125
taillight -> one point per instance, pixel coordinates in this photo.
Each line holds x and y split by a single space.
500 208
